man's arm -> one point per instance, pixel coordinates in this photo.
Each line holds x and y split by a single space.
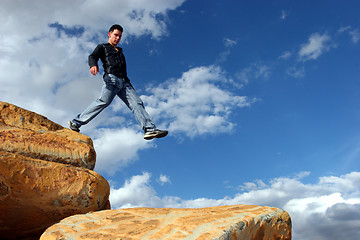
94 58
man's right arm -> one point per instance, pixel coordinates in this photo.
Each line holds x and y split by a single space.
93 60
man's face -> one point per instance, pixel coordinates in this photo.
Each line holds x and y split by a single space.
114 37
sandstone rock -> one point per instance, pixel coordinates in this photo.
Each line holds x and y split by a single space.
12 115
32 135
35 194
221 223
36 190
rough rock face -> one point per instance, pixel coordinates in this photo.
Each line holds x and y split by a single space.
28 134
221 223
35 194
36 188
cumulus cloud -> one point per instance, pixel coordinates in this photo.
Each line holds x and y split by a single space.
116 148
134 192
197 103
316 45
137 192
328 209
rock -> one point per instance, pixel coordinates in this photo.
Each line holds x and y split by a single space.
35 194
221 223
45 174
61 146
12 115
29 134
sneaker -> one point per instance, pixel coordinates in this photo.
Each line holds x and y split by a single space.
155 133
73 127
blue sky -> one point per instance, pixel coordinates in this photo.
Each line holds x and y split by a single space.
261 99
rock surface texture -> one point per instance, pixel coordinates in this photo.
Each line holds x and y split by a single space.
45 174
29 134
221 223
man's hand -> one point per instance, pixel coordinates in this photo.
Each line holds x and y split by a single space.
94 70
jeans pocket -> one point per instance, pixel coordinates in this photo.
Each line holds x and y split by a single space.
109 80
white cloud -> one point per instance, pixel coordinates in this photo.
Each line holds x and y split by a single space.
254 71
116 148
250 186
137 192
229 42
322 217
296 71
164 179
344 29
317 45
262 71
328 209
134 193
197 103
223 56
354 33
285 55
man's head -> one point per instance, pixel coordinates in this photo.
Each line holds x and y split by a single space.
115 33
116 26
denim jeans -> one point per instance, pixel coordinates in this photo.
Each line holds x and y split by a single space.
116 86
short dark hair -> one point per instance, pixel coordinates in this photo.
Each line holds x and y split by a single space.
116 26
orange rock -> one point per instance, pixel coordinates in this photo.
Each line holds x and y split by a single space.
35 194
36 189
15 116
32 135
225 223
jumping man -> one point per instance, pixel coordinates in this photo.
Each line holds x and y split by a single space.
116 82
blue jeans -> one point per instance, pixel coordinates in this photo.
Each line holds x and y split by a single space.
116 86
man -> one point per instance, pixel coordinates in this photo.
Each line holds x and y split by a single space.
116 82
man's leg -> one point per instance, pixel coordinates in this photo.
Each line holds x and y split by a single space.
136 105
108 93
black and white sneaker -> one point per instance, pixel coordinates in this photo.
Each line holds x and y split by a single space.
73 127
154 133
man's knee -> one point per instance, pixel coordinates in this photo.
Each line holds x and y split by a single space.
102 102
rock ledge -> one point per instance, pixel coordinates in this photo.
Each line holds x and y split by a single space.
220 223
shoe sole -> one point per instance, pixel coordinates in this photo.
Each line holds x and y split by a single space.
155 135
